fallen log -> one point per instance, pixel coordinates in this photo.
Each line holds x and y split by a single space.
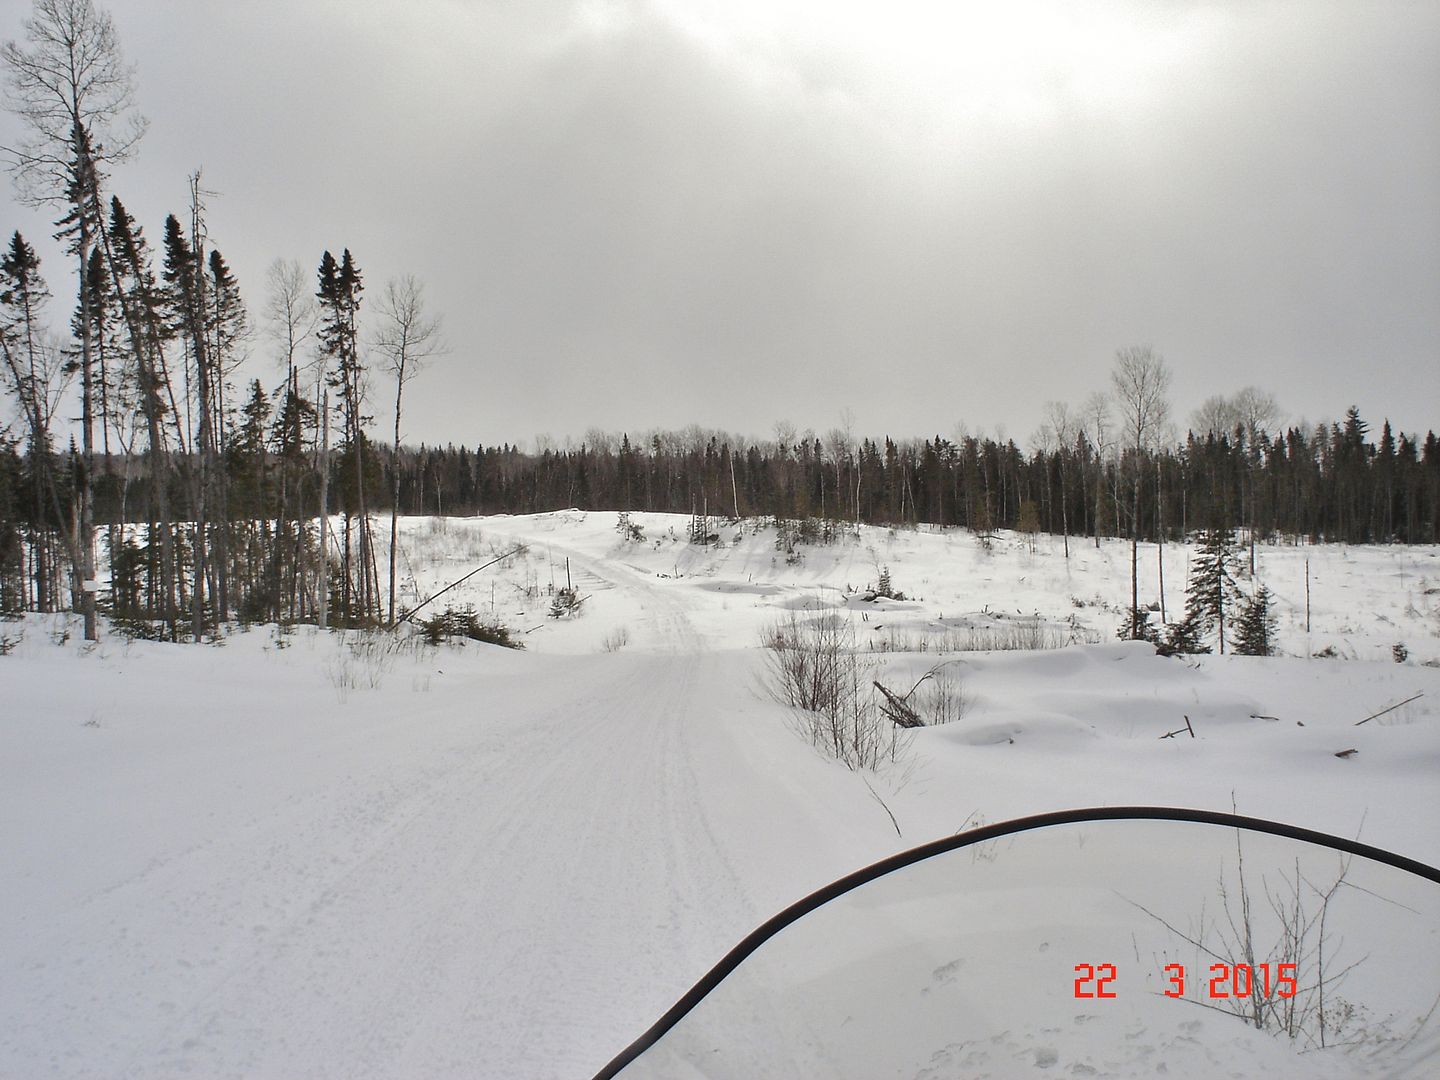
900 713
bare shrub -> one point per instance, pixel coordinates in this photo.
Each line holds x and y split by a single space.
343 671
1018 635
894 641
942 697
814 669
1284 922
365 658
616 639
938 697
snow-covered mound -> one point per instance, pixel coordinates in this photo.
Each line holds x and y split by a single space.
961 592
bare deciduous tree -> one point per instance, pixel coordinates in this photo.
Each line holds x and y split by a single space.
1061 427
1257 412
1096 412
73 75
1247 416
289 320
1215 416
407 336
75 96
839 442
290 313
1252 410
1141 381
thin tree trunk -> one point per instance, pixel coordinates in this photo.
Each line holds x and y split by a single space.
734 491
323 575
395 492
1099 498
1064 508
86 491
1160 538
1135 558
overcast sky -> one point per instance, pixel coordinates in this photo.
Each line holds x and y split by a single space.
642 213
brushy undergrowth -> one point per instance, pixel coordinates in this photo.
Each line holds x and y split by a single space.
814 669
466 625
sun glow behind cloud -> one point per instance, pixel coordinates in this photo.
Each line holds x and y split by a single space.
938 64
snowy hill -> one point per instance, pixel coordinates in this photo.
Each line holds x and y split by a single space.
313 854
1364 600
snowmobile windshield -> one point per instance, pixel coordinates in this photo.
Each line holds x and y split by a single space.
1123 942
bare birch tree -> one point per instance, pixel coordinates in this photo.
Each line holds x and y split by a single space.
1140 380
406 337
1097 419
1062 427
290 318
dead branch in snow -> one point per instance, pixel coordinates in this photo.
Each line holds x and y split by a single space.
1389 708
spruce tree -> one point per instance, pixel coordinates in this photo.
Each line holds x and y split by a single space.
225 324
1212 584
28 375
228 324
185 316
338 295
1186 636
1146 630
245 455
294 416
1255 629
23 296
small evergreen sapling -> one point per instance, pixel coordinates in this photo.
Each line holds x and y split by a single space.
1132 628
1212 583
566 602
628 530
1186 637
1255 629
466 624
886 587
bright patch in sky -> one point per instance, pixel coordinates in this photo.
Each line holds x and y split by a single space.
994 63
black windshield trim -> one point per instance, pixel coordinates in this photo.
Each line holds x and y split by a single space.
803 907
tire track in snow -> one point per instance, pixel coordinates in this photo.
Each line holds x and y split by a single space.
499 883
476 905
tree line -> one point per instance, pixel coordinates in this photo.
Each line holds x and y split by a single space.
1328 484
156 340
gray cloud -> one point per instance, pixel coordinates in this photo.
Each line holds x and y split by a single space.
632 217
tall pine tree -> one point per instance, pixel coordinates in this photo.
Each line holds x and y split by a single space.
338 294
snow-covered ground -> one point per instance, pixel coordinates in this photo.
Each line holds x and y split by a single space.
312 855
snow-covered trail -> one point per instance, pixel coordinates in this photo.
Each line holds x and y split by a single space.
437 897
509 869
